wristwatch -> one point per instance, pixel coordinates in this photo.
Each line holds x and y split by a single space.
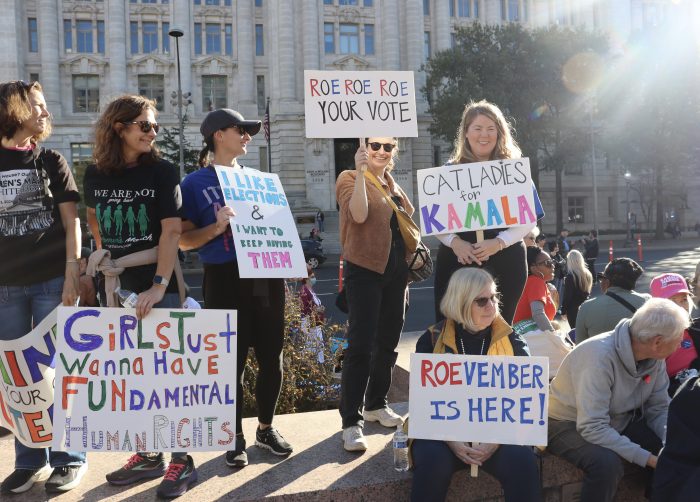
159 279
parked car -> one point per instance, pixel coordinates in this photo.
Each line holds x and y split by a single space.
313 252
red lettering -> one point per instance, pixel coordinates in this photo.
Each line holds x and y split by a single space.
348 87
67 380
313 82
118 392
212 367
208 344
382 83
425 367
35 429
454 374
166 342
446 370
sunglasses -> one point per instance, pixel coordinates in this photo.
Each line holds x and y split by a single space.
388 147
484 300
145 125
546 263
241 130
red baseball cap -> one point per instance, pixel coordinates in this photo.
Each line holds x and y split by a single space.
667 285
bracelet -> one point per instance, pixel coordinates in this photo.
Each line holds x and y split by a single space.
501 244
73 260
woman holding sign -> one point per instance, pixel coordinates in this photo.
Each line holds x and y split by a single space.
484 134
376 285
260 302
472 326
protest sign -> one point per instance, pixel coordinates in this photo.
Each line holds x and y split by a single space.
359 104
463 197
166 382
264 233
487 399
26 389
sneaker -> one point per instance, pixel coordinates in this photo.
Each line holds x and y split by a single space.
138 467
180 475
385 416
353 439
237 457
272 440
65 478
22 480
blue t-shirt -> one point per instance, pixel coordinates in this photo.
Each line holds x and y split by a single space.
201 200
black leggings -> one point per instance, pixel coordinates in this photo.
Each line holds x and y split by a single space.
508 268
260 325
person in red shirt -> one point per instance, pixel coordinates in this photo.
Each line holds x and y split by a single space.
536 302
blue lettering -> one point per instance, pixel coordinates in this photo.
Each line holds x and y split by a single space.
87 342
525 403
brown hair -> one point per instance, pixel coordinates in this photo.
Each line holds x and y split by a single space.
506 147
16 109
108 154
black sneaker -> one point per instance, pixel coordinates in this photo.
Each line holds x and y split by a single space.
138 467
65 478
237 457
272 440
22 480
180 475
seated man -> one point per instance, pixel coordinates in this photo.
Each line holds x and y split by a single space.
609 401
618 301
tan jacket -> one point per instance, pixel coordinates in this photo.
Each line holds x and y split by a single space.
367 244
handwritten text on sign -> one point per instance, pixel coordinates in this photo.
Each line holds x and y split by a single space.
26 389
264 233
164 383
489 399
493 194
342 104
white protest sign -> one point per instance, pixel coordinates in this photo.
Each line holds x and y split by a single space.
164 383
359 104
26 389
492 194
264 233
487 399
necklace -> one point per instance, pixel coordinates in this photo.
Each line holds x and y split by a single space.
481 352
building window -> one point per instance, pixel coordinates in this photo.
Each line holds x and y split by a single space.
67 36
426 7
368 3
213 92
327 2
150 37
212 2
101 37
213 38
166 38
153 87
86 93
83 32
475 10
437 157
451 3
328 38
33 77
576 209
228 39
259 40
369 39
349 38
463 8
348 2
80 154
426 45
453 40
263 158
258 3
260 93
33 35
198 38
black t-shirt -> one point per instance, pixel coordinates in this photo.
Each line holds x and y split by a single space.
129 208
32 237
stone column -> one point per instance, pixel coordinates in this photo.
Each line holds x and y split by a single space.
414 47
48 19
311 39
391 52
181 19
115 19
10 59
441 26
245 37
285 49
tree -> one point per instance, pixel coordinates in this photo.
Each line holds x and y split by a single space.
169 144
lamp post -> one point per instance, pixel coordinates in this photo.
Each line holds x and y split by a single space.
593 161
628 179
176 33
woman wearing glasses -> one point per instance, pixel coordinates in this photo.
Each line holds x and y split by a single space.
260 302
133 209
473 326
376 285
536 302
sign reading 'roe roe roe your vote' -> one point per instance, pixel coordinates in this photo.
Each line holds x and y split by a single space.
360 104
478 196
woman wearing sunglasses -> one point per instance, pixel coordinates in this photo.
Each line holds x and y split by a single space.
260 302
375 282
133 208
537 303
472 325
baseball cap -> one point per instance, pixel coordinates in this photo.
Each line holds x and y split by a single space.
667 285
225 117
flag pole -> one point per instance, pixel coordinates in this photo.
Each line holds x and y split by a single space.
267 136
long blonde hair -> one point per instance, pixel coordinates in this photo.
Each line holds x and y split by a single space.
577 266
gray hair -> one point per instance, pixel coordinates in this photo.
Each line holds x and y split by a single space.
658 317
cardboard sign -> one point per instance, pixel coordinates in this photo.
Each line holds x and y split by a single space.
359 104
164 383
264 233
26 389
459 198
487 399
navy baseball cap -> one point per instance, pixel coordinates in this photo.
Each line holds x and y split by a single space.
224 118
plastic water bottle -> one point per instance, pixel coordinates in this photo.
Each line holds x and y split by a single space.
400 450
126 298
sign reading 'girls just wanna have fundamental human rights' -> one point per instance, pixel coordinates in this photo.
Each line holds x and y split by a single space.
360 104
478 196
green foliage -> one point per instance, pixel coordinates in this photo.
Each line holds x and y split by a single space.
169 145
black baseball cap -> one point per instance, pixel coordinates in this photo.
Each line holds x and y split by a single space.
224 118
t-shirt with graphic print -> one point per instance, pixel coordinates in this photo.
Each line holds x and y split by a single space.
129 207
32 237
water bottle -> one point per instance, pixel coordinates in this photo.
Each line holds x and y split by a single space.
126 298
400 450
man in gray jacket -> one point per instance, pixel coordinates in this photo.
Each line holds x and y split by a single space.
609 400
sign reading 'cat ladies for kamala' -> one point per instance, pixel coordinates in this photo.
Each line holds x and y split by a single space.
478 196
360 104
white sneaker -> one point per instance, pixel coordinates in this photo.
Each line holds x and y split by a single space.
384 416
353 439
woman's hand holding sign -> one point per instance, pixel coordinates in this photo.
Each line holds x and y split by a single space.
223 217
465 252
361 157
472 455
359 207
486 248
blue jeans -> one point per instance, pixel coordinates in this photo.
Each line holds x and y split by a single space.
434 463
21 308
